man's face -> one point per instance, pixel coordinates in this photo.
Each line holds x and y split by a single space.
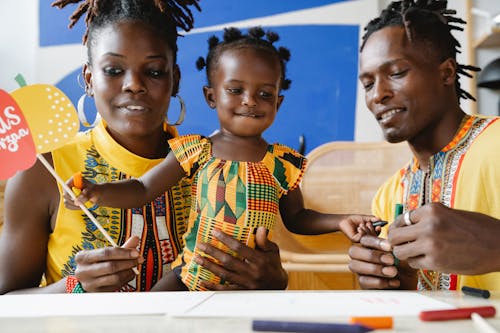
403 85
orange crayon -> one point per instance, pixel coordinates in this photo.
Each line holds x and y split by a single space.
78 180
373 322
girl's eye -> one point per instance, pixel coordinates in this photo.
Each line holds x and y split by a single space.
112 71
265 94
157 73
234 90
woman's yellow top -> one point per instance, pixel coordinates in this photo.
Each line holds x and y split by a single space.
159 225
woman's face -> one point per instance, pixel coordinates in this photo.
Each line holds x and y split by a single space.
132 77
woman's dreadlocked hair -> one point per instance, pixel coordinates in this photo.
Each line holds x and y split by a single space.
234 39
163 15
428 21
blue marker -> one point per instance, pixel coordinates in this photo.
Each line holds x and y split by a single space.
301 327
379 223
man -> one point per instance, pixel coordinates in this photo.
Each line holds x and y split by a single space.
450 191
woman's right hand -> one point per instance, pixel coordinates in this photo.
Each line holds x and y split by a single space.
374 263
107 269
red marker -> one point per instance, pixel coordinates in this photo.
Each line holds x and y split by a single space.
460 313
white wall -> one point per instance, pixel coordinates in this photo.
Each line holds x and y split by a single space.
18 41
487 99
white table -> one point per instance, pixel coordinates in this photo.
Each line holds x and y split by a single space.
144 322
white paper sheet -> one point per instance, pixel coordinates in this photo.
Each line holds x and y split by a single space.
302 304
88 304
272 304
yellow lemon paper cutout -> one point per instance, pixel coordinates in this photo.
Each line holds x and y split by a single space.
51 116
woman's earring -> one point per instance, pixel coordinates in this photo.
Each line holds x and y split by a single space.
181 115
79 79
81 113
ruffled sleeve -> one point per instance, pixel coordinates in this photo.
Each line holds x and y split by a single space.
286 165
191 151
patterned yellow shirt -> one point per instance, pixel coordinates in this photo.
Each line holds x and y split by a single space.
464 175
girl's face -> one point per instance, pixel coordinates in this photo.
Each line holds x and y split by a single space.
245 91
132 76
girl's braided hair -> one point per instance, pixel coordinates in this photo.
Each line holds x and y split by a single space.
233 38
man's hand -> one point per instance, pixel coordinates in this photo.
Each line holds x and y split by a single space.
373 262
447 240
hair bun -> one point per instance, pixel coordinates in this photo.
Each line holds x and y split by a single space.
200 63
232 34
285 85
284 53
272 36
256 32
212 42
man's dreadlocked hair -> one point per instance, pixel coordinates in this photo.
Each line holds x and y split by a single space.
235 39
428 21
163 15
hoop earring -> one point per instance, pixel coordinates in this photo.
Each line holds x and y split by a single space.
78 79
81 113
181 116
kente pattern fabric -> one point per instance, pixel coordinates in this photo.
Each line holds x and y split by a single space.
159 225
233 196
463 175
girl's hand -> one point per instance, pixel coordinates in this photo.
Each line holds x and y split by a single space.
356 226
83 189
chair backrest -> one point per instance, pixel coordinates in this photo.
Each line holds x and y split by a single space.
343 177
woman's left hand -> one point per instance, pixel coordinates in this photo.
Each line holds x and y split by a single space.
252 269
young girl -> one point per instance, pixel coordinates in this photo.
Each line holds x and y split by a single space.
239 180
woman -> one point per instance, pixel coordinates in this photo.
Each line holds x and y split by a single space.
131 74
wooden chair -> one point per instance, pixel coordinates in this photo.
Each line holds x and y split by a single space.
342 177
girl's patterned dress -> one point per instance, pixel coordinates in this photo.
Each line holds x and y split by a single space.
233 196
